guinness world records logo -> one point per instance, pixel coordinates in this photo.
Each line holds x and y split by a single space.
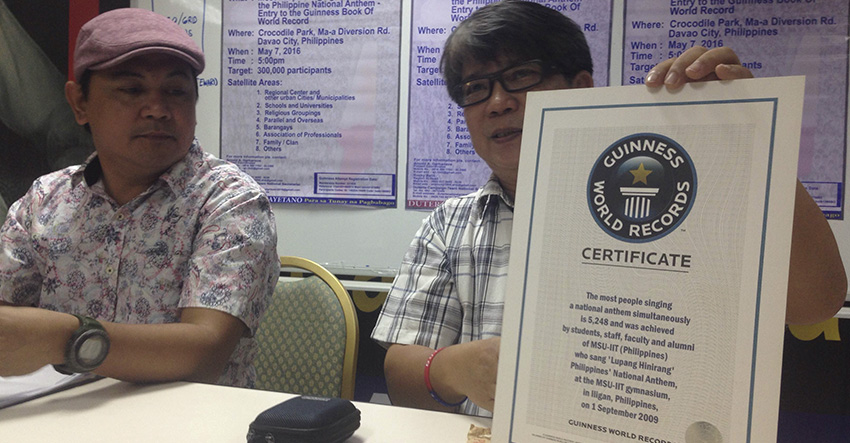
641 187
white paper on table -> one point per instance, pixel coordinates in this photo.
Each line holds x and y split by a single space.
21 388
572 367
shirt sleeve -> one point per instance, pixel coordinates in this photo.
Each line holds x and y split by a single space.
234 265
20 272
422 306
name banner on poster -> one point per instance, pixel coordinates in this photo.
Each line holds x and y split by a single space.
649 265
310 98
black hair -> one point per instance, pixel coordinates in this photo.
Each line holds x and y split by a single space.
85 85
518 30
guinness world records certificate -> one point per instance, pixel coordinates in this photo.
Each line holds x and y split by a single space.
649 264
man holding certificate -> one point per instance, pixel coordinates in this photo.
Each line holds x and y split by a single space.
443 317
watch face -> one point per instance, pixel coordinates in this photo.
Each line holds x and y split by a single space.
93 350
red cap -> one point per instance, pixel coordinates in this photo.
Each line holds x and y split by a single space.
118 35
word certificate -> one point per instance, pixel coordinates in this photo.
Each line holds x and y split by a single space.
649 264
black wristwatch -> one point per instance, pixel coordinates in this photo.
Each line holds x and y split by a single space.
86 349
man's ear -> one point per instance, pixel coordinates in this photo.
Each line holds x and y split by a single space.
75 98
582 80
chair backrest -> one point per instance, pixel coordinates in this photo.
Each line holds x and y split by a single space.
309 335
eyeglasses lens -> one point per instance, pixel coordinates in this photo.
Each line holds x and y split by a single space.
513 79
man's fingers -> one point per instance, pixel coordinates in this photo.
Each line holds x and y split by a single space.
698 64
672 72
708 61
732 72
655 76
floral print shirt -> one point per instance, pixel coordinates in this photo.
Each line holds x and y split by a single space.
203 235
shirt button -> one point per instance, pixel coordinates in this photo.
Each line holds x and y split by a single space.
120 217
109 270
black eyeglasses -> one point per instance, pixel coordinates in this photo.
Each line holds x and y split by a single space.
513 79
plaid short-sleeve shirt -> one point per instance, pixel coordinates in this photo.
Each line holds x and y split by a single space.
203 235
450 287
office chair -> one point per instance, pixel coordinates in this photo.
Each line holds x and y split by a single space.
308 337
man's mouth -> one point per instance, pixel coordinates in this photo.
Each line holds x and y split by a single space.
155 135
502 133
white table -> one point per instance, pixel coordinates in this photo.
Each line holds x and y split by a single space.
112 411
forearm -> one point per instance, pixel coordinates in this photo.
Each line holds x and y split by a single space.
31 338
817 284
456 372
197 348
164 352
404 369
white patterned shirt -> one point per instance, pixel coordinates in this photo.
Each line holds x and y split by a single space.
203 235
451 285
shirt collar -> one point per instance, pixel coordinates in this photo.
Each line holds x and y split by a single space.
175 177
491 193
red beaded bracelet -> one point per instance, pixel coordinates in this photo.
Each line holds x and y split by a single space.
431 388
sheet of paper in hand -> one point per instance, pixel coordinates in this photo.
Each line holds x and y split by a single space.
649 264
22 388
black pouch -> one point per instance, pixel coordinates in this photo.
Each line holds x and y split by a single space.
306 420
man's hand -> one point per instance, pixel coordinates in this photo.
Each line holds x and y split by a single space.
471 369
458 371
817 284
31 338
697 64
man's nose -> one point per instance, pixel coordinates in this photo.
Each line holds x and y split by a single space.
500 100
156 106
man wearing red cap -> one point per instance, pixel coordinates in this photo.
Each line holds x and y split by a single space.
152 260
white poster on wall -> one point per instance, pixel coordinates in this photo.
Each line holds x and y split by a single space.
310 99
772 39
441 161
